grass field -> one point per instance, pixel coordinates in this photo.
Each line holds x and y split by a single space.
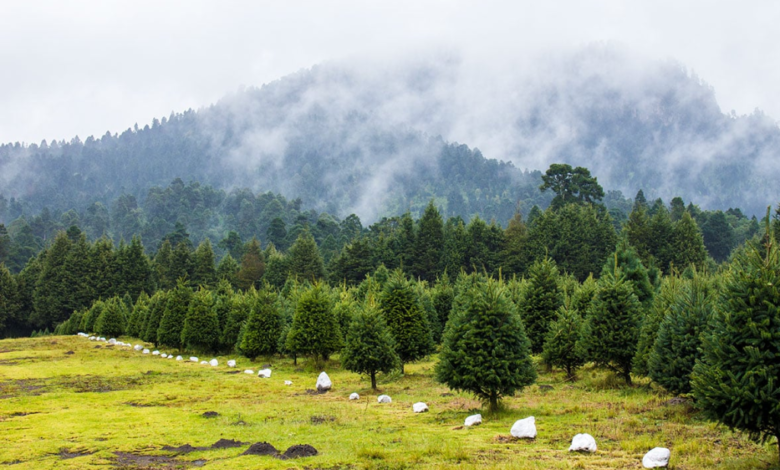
67 403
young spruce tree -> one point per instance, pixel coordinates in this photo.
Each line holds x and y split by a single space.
201 326
485 350
541 301
314 330
263 327
172 321
369 347
564 346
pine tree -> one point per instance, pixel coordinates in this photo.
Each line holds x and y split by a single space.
77 273
138 315
369 347
736 379
676 348
405 319
89 320
263 327
134 269
201 325
52 296
240 306
442 299
688 244
277 268
203 273
111 322
305 259
612 327
314 330
162 266
633 270
515 253
172 321
252 266
662 303
8 297
103 277
181 263
541 301
564 345
428 244
485 349
157 305
228 270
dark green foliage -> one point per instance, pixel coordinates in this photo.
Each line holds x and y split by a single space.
345 310
369 347
485 350
157 305
172 322
71 325
162 266
405 319
662 303
222 296
201 326
134 271
443 296
736 379
52 295
181 263
541 300
111 321
570 185
240 306
8 297
515 253
252 266
305 259
353 263
612 327
431 315
314 330
204 273
138 316
676 347
718 236
228 270
688 244
429 245
626 259
277 268
564 345
263 327
89 320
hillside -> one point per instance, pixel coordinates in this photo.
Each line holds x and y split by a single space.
376 139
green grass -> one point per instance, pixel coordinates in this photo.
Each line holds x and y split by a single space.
99 401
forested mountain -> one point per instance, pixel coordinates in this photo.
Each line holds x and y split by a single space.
375 140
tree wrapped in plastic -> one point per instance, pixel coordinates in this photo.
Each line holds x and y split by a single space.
485 350
612 327
405 319
263 327
564 346
314 330
201 326
676 347
369 347
737 379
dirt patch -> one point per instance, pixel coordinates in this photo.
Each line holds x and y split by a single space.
139 405
98 347
457 428
186 448
677 401
137 461
69 353
227 444
298 451
322 419
446 395
504 439
68 454
98 384
261 448
210 414
315 392
232 372
22 387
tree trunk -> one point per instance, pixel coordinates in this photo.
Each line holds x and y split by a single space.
402 368
295 359
493 403
373 380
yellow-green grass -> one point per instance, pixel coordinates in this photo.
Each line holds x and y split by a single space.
111 399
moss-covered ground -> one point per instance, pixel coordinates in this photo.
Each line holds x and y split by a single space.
66 402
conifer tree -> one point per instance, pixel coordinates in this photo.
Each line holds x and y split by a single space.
564 346
252 266
181 263
612 327
485 349
633 270
314 330
52 296
162 266
676 348
305 259
103 278
204 273
345 310
77 273
227 270
89 320
429 244
240 306
138 315
425 301
8 297
736 378
688 244
172 321
157 305
134 269
263 327
111 322
405 319
369 347
515 253
662 304
541 301
442 299
277 268
201 325
222 295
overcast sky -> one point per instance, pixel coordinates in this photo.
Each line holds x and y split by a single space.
87 67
